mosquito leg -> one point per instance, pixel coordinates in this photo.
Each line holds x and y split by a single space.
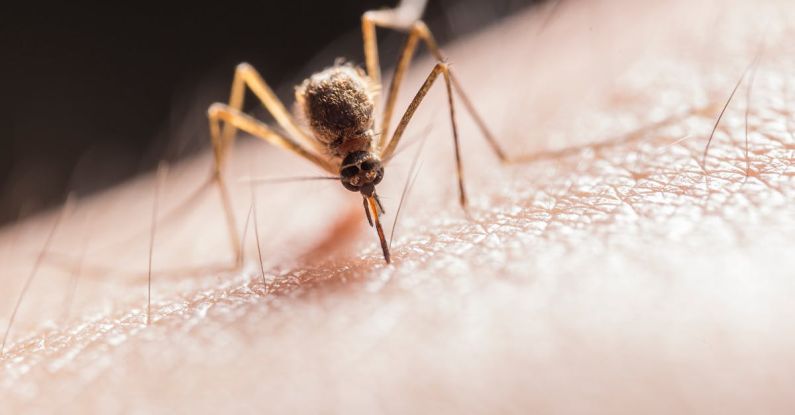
231 116
484 129
247 76
399 18
370 48
440 68
229 212
417 30
397 78
431 44
222 140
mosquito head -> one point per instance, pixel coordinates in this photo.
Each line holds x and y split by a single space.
360 171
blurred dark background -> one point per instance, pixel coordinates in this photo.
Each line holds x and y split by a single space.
92 95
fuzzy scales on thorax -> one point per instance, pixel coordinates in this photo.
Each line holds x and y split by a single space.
337 106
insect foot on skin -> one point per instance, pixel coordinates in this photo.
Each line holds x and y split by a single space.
340 134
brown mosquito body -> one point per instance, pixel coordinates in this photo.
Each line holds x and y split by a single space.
338 104
335 127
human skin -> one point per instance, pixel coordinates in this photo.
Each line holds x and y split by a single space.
611 272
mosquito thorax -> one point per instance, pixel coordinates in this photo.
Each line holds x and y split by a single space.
337 104
360 171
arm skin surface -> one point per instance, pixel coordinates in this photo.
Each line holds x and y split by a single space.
611 273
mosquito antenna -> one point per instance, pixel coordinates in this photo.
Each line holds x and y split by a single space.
162 172
70 201
410 178
266 180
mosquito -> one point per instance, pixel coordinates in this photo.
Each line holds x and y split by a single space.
338 106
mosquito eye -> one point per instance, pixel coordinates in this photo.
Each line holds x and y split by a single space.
367 165
349 171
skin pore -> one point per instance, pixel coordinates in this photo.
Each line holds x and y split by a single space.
612 272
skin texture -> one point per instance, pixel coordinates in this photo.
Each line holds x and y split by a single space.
610 273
